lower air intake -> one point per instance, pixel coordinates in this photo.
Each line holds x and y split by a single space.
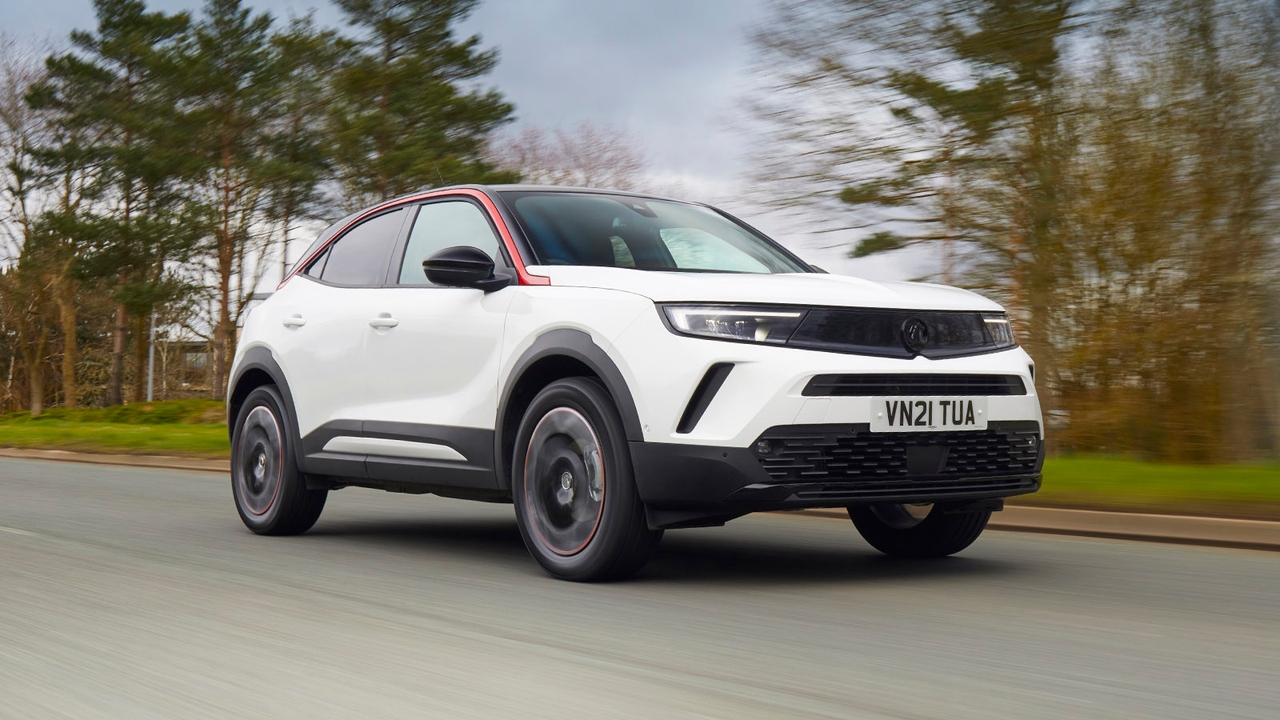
850 456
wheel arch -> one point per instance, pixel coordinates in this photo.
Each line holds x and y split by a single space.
555 355
259 368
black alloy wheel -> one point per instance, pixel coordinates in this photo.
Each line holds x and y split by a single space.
573 486
271 495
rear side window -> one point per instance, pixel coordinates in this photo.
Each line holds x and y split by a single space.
317 266
445 224
361 255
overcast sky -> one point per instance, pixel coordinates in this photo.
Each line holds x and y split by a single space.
671 72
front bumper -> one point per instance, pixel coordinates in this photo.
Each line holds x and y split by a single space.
809 466
765 387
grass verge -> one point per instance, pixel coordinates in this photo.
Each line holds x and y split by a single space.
189 411
205 441
1103 483
191 428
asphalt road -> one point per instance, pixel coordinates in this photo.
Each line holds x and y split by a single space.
131 593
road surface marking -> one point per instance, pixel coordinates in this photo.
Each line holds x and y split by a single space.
16 531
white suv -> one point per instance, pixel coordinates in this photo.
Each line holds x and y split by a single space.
616 365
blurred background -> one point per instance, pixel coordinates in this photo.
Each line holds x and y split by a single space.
1108 169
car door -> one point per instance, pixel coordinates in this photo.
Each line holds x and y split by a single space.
432 383
325 313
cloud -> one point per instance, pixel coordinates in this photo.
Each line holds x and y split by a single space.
669 71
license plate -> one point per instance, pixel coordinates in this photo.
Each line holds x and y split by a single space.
925 414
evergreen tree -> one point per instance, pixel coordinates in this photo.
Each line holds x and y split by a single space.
404 117
232 82
118 121
299 150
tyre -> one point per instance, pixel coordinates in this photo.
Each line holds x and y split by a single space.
917 531
573 486
270 494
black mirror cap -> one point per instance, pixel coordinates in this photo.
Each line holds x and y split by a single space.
463 266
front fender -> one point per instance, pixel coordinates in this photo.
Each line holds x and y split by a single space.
579 346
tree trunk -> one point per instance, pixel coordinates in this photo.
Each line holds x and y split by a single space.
115 385
141 338
222 334
67 315
286 220
33 358
8 386
35 381
226 263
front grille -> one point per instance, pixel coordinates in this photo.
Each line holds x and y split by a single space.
849 460
867 331
905 385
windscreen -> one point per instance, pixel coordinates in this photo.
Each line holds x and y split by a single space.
641 233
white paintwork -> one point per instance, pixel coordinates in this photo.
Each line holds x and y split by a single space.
323 356
439 364
799 289
392 448
443 356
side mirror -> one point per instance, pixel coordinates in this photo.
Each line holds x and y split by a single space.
464 266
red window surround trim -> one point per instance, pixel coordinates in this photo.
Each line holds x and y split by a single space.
522 275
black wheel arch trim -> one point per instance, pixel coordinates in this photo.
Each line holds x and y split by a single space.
576 345
260 358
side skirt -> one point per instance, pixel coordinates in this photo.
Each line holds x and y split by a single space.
403 457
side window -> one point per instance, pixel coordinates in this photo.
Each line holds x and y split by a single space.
317 266
360 256
440 225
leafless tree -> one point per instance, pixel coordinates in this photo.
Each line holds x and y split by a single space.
589 155
24 274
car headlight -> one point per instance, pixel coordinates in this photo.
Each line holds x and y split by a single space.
999 329
772 325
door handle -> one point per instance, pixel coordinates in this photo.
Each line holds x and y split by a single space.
384 320
294 321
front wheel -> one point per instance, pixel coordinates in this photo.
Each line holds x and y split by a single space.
917 531
573 487
271 495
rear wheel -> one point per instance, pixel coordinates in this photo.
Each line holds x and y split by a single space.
917 531
573 486
270 494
